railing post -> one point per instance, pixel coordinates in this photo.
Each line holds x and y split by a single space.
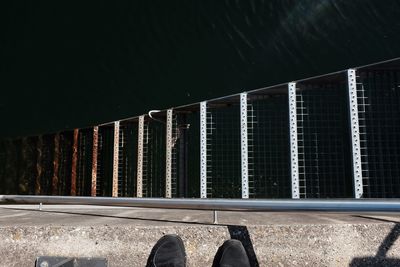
115 160
93 192
139 179
244 145
74 163
355 133
203 149
294 159
168 157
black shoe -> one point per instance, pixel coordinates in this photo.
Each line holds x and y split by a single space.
169 251
231 254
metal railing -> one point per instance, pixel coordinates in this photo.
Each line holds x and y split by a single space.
331 136
295 205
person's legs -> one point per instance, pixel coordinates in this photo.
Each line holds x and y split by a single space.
168 251
231 254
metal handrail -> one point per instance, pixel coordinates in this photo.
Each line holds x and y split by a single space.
298 205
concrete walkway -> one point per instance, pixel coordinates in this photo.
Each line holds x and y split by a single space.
125 236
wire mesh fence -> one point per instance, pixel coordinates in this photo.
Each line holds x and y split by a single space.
105 161
380 112
268 137
323 136
187 153
127 165
26 166
65 163
153 158
175 153
3 160
10 175
46 162
84 162
223 149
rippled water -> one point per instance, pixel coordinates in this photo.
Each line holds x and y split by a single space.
66 66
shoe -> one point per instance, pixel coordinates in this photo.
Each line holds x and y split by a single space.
169 251
231 254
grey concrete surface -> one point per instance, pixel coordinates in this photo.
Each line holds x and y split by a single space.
125 236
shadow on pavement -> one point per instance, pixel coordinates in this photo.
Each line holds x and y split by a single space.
380 258
242 234
118 217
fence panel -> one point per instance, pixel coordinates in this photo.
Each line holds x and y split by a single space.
65 163
154 157
379 112
105 160
84 170
46 161
185 160
127 164
10 168
268 138
27 166
3 162
223 149
324 138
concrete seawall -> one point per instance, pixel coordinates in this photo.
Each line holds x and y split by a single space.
125 236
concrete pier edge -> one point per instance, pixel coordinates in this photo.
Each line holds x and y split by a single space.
125 236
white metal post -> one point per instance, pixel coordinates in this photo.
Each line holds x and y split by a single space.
294 158
203 149
115 160
168 158
355 133
244 145
139 179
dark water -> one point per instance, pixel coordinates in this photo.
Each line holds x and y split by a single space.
74 65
